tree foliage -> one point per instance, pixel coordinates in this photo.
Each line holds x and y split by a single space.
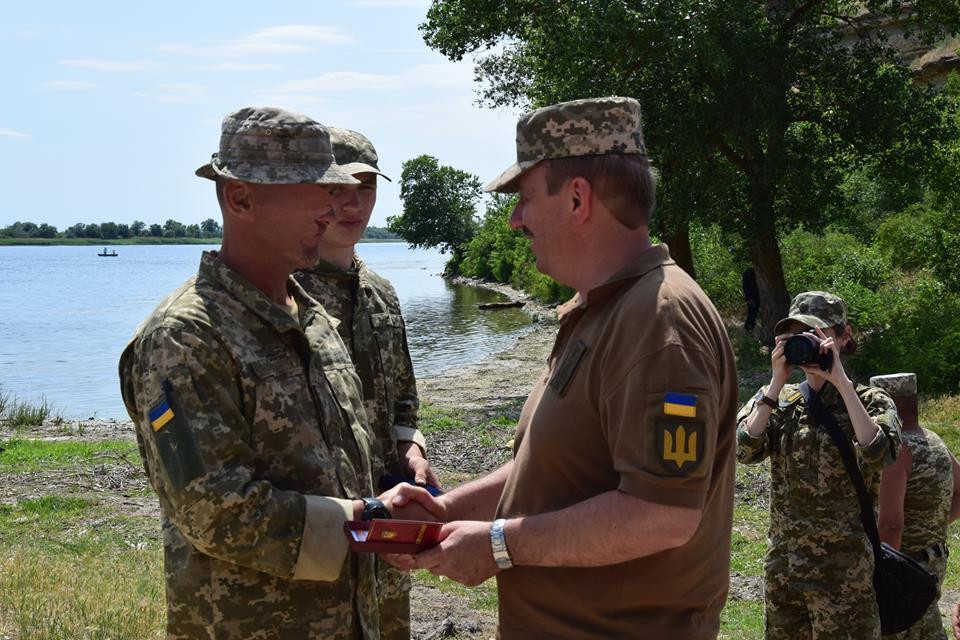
439 205
755 113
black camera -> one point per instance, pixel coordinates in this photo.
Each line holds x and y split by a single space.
804 348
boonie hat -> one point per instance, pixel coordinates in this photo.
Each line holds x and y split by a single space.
898 385
354 152
270 145
591 127
815 309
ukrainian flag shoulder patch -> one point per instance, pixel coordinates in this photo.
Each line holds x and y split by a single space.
680 404
160 415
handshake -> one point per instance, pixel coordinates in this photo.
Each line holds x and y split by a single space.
462 550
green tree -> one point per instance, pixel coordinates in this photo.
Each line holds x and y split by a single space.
754 111
78 230
92 230
210 228
174 229
46 231
138 228
156 231
439 206
108 230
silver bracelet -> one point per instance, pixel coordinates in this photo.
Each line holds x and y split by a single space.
500 554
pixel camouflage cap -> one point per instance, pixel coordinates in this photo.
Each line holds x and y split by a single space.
270 145
815 309
898 385
590 127
354 152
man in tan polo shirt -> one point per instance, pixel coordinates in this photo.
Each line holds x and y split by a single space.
613 518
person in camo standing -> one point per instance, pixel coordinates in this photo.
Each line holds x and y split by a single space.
249 414
373 330
919 497
819 565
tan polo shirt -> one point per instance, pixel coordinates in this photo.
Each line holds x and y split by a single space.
639 395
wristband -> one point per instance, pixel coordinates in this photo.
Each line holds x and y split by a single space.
762 398
500 554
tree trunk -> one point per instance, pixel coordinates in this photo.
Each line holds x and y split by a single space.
768 265
677 237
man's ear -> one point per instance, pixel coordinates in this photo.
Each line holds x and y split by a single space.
581 199
238 199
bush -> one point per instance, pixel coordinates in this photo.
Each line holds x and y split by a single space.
921 334
921 235
501 254
719 262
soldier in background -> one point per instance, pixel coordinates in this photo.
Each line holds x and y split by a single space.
249 413
819 566
373 330
919 497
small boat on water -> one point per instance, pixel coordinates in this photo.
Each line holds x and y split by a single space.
106 254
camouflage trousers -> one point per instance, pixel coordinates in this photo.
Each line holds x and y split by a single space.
393 597
930 626
845 609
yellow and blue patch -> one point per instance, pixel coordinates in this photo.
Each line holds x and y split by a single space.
160 415
680 404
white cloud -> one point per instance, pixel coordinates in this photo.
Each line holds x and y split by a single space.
10 133
112 66
70 85
279 40
240 66
437 76
176 92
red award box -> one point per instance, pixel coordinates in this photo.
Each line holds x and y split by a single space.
391 536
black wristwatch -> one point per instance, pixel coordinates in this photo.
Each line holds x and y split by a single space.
374 509
761 397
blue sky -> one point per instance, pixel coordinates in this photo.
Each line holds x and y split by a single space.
110 106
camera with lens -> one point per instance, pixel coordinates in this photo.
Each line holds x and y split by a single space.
804 349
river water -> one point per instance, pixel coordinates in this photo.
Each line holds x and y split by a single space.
66 314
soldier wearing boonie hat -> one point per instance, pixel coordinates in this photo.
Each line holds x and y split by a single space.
254 472
819 568
373 329
631 424
919 496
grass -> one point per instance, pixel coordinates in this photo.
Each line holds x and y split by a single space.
483 597
72 569
432 419
24 455
20 413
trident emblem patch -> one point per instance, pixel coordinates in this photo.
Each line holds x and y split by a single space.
679 444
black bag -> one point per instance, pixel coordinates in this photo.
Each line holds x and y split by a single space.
905 589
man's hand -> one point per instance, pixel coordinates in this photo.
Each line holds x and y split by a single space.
464 553
409 502
416 466
955 621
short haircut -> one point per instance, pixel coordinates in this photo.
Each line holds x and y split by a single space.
220 183
622 181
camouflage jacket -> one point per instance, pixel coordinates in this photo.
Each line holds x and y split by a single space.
372 328
252 431
926 504
814 510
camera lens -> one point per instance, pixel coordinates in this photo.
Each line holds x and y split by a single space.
802 348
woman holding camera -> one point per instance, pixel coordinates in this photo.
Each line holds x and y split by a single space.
819 567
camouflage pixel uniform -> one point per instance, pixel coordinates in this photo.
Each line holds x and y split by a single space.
373 330
251 428
819 564
926 514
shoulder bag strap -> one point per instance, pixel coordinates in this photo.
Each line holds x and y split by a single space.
822 415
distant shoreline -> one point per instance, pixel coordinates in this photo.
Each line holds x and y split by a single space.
94 242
